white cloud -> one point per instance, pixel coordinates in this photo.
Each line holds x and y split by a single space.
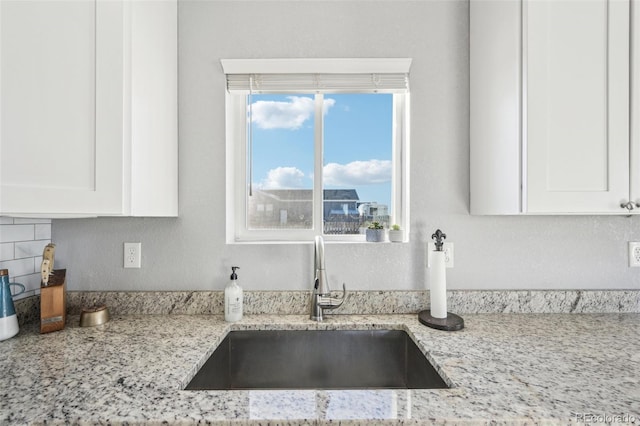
283 178
326 105
286 115
357 173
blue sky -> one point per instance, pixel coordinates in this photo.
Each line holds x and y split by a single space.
357 143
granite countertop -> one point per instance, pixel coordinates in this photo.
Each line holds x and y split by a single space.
503 368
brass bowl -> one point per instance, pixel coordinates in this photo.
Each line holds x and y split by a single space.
94 315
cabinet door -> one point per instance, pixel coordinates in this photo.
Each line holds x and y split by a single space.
495 97
61 87
576 105
635 104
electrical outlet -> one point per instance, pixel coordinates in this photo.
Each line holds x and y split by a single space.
132 254
634 254
448 254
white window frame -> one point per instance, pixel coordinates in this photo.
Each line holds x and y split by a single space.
236 149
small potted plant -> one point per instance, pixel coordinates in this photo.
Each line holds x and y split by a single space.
396 235
375 232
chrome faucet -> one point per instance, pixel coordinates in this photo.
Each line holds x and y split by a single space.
321 296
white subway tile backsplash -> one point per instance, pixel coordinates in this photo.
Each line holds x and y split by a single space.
19 267
22 242
6 251
31 281
30 248
19 221
11 233
42 232
27 293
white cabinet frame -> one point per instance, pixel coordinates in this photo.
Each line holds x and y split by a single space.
510 171
133 168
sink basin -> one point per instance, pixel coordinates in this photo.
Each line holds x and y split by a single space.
317 359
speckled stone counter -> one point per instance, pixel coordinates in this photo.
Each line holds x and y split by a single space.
363 302
503 369
357 302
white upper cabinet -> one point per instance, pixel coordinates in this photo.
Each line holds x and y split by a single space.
88 113
635 103
577 105
550 93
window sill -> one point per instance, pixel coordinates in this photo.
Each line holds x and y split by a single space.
326 241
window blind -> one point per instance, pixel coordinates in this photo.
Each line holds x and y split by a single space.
317 75
318 83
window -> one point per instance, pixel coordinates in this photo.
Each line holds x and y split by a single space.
315 147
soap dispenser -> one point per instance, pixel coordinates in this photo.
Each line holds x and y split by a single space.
233 298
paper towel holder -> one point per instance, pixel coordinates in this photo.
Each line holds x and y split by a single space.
452 322
439 238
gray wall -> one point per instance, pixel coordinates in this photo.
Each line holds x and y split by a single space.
189 252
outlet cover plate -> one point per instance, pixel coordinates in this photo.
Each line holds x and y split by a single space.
448 254
634 254
132 254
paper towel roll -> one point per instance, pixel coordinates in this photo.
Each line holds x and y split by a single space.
438 285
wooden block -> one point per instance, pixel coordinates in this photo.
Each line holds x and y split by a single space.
53 302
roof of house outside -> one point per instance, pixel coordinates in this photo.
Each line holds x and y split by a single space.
307 194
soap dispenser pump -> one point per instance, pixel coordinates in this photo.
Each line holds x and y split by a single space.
233 298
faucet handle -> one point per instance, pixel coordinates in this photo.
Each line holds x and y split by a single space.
333 302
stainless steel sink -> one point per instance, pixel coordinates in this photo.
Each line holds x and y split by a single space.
336 359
